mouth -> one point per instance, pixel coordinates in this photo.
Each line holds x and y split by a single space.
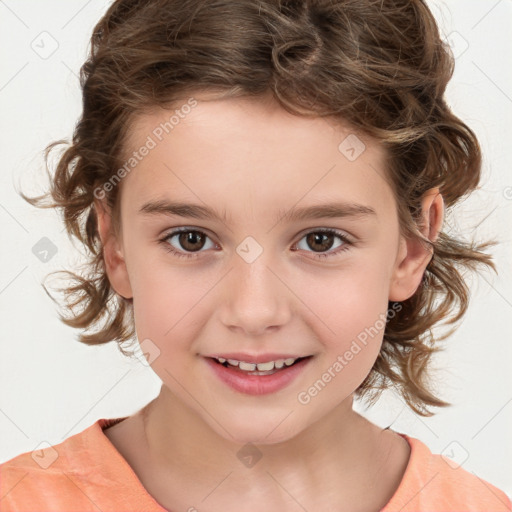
267 368
257 378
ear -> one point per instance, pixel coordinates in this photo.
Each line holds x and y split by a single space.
115 264
413 257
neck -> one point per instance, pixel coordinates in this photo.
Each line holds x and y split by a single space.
333 455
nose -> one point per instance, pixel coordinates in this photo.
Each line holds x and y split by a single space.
255 297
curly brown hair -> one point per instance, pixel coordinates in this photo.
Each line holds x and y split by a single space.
378 65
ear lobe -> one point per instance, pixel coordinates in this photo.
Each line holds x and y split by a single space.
115 264
414 255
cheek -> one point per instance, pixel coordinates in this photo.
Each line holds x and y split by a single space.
347 301
167 305
348 315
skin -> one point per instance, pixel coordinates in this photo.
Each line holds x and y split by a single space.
253 160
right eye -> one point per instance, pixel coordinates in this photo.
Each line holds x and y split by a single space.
190 240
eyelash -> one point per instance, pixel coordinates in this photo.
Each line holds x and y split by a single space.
326 231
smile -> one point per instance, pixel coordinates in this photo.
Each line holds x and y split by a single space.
258 368
257 378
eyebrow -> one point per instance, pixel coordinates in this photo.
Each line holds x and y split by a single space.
197 211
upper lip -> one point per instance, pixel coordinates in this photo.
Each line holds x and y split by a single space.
255 358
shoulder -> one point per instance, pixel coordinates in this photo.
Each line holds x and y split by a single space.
432 482
51 471
84 472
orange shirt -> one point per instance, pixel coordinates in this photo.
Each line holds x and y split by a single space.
86 473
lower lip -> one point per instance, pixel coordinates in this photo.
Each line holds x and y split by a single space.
257 384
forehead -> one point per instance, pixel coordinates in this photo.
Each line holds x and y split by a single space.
251 153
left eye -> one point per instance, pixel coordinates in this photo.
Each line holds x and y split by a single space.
193 241
322 238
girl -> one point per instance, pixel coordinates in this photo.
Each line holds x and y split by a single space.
262 187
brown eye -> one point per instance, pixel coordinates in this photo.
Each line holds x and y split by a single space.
189 243
191 240
320 242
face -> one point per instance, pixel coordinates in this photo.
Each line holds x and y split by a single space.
255 279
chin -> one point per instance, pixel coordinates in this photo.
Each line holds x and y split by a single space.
268 431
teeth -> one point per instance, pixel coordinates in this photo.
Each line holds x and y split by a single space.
262 367
265 367
248 367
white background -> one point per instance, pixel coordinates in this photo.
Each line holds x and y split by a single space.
52 386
